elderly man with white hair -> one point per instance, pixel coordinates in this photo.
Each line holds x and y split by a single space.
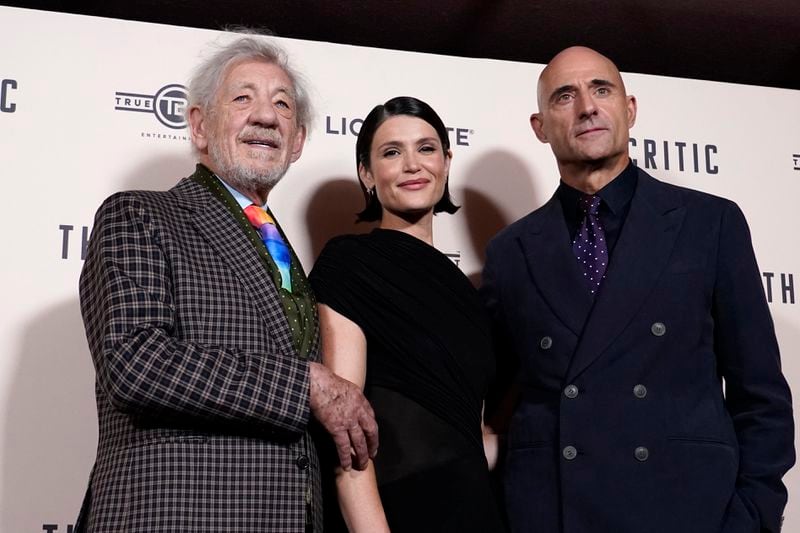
203 329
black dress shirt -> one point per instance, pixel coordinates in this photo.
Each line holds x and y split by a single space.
616 202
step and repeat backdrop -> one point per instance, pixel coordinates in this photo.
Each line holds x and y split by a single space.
90 106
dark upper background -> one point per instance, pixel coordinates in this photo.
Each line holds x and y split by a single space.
755 42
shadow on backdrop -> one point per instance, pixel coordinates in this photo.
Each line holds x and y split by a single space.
497 190
50 435
332 211
51 423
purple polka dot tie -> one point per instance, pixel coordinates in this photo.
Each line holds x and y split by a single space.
590 243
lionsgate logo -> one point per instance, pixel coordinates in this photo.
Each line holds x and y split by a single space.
351 126
168 104
796 158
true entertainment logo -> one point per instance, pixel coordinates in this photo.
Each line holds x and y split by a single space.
796 158
168 104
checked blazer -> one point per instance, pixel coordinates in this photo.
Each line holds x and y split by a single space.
203 403
623 423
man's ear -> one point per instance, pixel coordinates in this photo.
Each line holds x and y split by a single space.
538 127
631 105
198 127
297 143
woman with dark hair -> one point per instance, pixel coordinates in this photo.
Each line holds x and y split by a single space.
400 319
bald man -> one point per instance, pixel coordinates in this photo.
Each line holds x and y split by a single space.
623 303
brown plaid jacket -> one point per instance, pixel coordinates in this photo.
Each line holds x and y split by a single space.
202 400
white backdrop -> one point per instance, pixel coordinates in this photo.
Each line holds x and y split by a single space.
68 139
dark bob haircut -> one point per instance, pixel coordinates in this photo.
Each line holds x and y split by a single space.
399 105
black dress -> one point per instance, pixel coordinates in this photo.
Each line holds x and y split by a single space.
429 360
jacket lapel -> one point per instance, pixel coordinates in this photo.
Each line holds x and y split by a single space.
553 266
640 256
215 224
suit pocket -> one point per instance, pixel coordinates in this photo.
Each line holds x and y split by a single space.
709 466
156 440
170 480
684 267
701 441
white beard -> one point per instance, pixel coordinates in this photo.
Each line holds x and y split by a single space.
244 178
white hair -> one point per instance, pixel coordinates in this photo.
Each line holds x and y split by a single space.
208 76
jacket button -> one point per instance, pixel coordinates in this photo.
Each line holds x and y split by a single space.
571 391
302 462
640 391
641 453
569 453
658 329
546 343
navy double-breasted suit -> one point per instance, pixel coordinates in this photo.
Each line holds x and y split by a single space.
658 405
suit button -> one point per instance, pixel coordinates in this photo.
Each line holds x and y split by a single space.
302 462
640 391
569 453
658 329
571 391
546 343
641 453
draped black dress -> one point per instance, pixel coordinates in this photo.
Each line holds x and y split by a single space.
429 360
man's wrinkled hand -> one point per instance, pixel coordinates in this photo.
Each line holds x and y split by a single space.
345 413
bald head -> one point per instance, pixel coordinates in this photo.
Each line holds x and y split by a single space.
570 60
584 115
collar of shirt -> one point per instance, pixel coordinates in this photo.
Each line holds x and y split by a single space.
240 198
616 195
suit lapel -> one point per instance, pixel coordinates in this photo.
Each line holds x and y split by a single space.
215 224
640 256
553 266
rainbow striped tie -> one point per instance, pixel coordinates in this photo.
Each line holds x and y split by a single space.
265 225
